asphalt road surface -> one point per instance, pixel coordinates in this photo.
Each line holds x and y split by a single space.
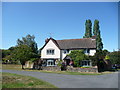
74 81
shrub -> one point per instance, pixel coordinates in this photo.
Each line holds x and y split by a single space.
59 62
77 56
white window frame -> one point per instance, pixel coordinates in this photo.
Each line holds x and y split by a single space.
50 51
51 63
87 63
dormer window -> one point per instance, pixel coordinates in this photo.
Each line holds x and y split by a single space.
50 52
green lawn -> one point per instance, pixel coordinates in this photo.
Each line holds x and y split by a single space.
11 66
10 80
18 67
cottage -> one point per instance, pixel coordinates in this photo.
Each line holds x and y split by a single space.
55 50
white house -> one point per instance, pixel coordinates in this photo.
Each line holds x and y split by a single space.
58 49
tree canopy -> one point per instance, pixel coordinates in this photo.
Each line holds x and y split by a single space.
88 29
29 40
96 32
5 53
115 57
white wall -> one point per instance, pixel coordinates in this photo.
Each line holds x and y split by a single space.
50 45
92 52
63 54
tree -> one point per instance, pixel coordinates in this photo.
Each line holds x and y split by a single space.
99 55
115 57
7 56
23 53
11 48
96 27
29 41
5 53
96 32
88 29
77 56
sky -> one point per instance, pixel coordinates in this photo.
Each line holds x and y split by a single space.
59 20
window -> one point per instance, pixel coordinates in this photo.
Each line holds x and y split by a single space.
66 51
50 52
86 63
50 63
87 51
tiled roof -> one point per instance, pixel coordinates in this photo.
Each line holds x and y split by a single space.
76 43
73 43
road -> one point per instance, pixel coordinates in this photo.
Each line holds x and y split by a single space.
74 81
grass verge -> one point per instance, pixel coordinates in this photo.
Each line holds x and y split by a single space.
11 67
19 81
67 73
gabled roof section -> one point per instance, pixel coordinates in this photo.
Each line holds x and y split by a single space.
54 41
73 43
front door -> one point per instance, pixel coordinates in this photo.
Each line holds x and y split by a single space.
67 61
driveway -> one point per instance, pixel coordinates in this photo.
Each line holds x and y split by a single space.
74 81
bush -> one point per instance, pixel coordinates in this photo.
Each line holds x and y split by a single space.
77 56
59 63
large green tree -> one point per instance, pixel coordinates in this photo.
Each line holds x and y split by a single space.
23 53
29 40
88 29
96 32
31 48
